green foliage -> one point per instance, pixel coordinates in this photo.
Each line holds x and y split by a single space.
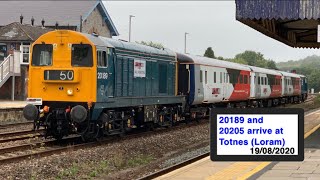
209 53
70 172
152 44
308 66
253 58
140 160
239 60
220 58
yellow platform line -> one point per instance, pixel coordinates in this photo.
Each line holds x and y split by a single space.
232 171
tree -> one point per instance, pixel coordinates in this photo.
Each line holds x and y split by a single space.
271 65
240 61
151 44
220 58
209 53
251 57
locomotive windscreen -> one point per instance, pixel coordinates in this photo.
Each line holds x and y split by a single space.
81 55
42 55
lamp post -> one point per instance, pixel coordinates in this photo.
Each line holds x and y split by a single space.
131 16
185 42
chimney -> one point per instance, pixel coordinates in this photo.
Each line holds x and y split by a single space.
32 21
42 22
80 29
57 25
21 19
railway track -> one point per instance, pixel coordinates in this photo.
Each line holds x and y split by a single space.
20 135
49 147
4 126
174 167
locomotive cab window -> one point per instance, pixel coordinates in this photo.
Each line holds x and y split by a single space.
81 55
42 55
102 59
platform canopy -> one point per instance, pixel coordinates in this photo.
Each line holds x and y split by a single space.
293 22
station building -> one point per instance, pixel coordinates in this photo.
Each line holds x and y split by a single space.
20 27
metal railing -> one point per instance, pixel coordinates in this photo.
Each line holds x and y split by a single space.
6 69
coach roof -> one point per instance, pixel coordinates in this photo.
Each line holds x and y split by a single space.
290 74
264 70
210 62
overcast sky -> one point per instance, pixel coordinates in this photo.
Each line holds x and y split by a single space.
209 24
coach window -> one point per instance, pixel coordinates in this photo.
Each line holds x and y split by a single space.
228 77
220 77
214 77
225 78
81 55
266 80
246 79
241 79
102 58
42 55
206 77
201 76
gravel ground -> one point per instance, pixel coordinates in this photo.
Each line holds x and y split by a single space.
16 128
20 142
126 157
184 156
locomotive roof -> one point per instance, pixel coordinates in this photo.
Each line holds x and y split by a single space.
264 70
104 41
187 58
131 46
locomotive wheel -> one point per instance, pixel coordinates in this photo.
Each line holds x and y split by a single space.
58 137
91 136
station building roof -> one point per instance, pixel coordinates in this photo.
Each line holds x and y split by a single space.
293 22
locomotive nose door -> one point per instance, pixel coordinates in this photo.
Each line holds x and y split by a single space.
105 73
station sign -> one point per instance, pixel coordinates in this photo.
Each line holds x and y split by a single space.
257 134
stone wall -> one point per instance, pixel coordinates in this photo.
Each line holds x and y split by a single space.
95 23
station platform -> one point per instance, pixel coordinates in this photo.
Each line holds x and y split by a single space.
307 169
12 104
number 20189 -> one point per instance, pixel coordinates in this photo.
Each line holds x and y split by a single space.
231 119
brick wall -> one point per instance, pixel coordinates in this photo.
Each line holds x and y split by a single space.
21 86
95 23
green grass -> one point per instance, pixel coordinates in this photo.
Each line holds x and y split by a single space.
70 172
139 160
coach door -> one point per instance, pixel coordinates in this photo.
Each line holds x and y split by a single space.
105 74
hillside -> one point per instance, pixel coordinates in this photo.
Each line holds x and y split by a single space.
308 66
310 61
